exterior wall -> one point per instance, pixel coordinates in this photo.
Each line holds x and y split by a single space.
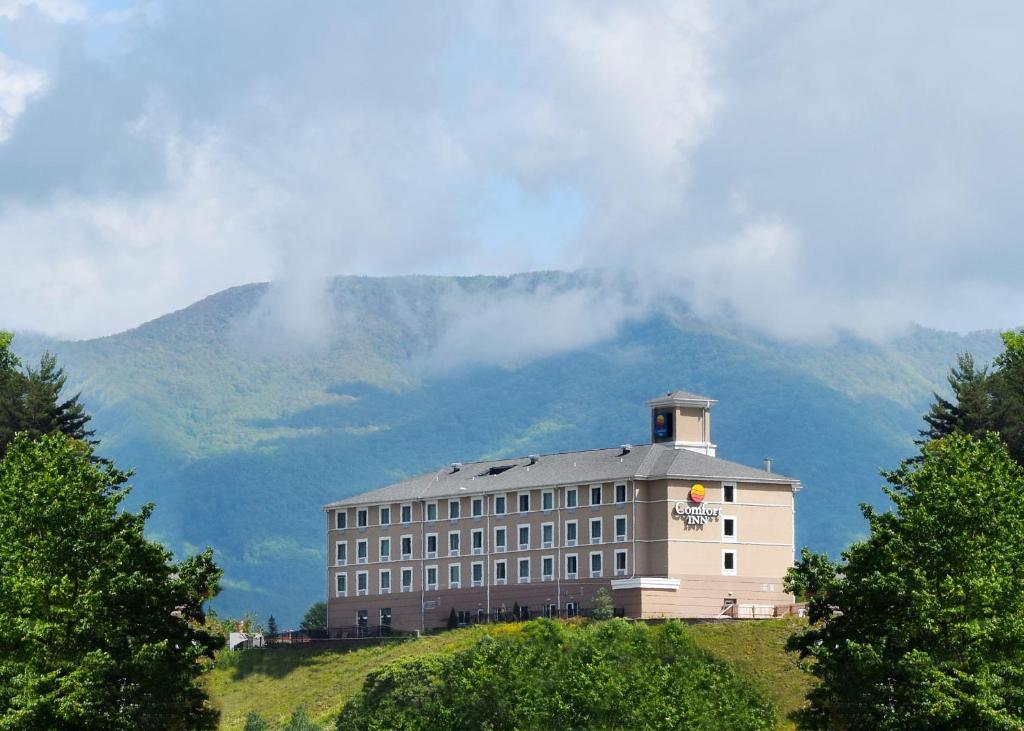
658 543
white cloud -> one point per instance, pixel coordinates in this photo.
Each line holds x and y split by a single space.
19 84
61 11
803 170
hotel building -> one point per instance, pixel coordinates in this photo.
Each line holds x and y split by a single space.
667 528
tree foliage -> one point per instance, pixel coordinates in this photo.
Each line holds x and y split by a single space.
603 607
556 676
921 626
31 399
99 629
984 400
315 619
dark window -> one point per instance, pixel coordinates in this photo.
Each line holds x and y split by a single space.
385 617
407 513
728 493
595 495
730 561
361 518
524 503
730 528
620 493
341 519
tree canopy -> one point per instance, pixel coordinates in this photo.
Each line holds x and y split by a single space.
315 618
552 675
984 400
32 399
99 629
921 626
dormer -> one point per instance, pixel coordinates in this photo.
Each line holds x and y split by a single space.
682 420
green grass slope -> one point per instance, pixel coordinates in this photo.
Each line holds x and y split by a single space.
239 436
274 682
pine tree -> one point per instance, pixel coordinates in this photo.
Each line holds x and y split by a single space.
970 411
271 625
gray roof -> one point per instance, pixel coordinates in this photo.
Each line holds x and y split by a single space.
646 461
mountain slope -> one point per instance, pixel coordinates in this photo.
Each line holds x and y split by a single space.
239 436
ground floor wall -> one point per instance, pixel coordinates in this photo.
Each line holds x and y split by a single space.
697 596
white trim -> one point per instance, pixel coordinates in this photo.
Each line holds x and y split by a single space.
735 562
380 515
426 573
457 551
472 539
519 536
646 582
615 493
735 489
380 581
380 554
494 571
426 545
590 564
575 540
503 547
520 579
519 496
365 575
547 493
571 575
615 562
340 561
426 514
590 531
457 502
620 537
401 541
483 573
412 579
338 512
483 506
599 487
401 509
340 592
550 543
504 496
551 576
575 490
457 583
365 511
735 529
365 543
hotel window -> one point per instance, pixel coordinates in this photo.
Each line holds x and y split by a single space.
729 563
431 545
620 493
362 517
547 568
406 547
385 516
571 497
406 579
453 543
454 509
571 533
547 535
500 504
407 514
477 541
385 549
524 571
547 500
431 578
341 519
341 585
431 511
596 525
361 551
340 553
500 575
595 565
729 529
524 537
385 617
571 566
478 573
500 543
477 507
728 493
362 583
454 575
620 527
595 495
524 502
385 581
620 562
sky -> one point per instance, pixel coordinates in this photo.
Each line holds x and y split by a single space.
804 167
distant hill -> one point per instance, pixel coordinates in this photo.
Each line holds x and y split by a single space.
239 435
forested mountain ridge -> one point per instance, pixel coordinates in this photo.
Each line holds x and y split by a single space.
239 435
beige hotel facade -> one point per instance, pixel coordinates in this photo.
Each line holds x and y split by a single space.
667 528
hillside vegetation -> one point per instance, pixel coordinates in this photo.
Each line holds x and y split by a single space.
239 433
276 681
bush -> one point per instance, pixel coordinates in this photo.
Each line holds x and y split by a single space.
609 675
603 607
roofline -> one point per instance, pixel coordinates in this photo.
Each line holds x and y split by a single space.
670 400
554 485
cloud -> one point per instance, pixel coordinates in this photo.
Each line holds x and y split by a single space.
19 84
802 169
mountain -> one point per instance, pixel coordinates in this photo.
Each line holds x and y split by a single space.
239 434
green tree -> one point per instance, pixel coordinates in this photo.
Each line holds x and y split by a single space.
32 401
99 629
607 675
603 607
271 625
984 400
300 721
255 722
921 626
315 619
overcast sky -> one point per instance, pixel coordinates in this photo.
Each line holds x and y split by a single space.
802 166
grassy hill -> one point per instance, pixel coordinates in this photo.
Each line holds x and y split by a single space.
239 434
276 681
